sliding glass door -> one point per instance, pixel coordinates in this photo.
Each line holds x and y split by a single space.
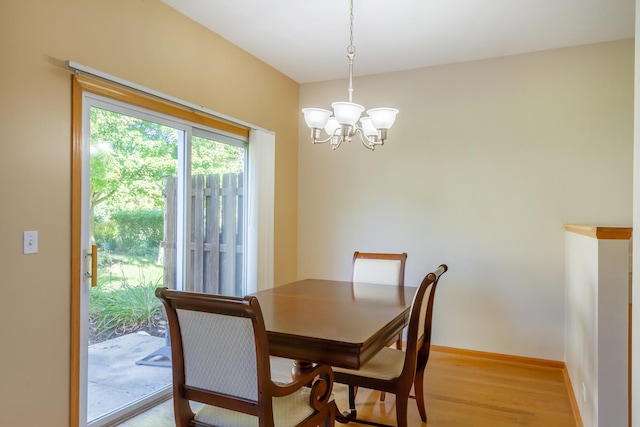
163 205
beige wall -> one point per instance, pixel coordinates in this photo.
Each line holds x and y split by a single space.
635 315
143 41
486 162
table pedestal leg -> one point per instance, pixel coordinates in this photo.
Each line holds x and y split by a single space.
300 368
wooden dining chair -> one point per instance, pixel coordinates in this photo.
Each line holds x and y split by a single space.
396 371
379 268
383 269
220 355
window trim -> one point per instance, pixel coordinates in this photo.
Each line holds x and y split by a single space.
133 97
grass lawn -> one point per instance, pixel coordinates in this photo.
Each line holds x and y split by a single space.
134 270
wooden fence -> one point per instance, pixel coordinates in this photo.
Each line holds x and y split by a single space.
216 236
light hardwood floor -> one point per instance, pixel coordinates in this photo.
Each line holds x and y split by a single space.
462 390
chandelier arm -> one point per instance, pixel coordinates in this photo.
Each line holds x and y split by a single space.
336 138
367 142
321 141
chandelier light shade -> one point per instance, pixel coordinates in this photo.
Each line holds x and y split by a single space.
347 113
382 118
341 124
316 117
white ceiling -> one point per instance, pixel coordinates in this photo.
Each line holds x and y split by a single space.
307 39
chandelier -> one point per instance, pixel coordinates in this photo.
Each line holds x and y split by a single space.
343 124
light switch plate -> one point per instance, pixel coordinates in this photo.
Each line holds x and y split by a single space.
30 242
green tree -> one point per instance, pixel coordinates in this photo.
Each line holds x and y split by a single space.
130 157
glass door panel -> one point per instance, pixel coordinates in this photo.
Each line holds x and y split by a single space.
217 216
132 161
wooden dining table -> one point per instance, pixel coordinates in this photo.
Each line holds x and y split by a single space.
337 323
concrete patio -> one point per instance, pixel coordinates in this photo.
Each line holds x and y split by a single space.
114 379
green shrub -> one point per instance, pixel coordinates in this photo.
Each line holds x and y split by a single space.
105 233
139 232
117 310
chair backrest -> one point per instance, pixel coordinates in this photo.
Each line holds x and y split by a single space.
220 352
378 268
419 329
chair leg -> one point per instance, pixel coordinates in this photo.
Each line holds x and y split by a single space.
352 401
418 385
331 421
402 409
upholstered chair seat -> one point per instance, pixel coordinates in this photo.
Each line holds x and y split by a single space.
287 412
385 365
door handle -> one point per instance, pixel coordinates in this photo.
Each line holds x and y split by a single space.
94 266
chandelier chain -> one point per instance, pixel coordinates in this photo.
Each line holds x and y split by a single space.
351 49
351 52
